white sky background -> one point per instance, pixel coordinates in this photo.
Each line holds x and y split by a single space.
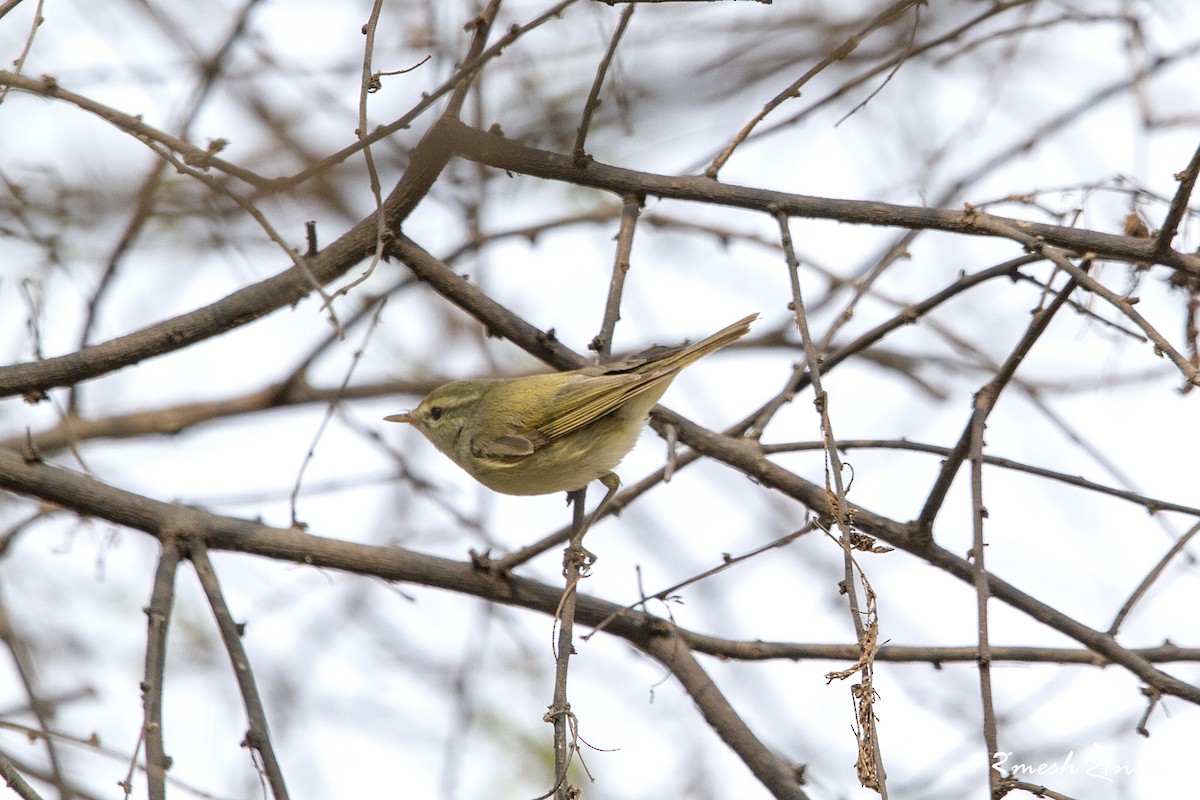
375 690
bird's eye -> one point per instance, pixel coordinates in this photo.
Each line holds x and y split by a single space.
436 412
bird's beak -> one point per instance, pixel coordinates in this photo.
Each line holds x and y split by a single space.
405 417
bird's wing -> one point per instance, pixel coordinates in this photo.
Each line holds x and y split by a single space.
507 447
583 401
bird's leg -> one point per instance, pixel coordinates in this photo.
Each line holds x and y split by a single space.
612 482
576 557
581 526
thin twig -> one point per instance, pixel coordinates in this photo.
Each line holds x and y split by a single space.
593 99
871 771
333 406
470 65
978 424
19 62
300 370
1124 305
1151 577
847 47
899 61
1153 698
1151 504
158 614
951 36
1179 204
258 737
208 70
367 85
989 395
8 6
575 563
833 464
25 667
49 87
602 344
255 213
908 315
727 562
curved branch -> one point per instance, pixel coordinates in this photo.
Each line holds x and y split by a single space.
496 151
158 613
92 498
31 379
207 531
672 651
47 86
745 457
258 737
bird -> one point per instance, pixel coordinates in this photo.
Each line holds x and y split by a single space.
555 432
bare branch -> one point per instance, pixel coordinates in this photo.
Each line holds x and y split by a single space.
1179 204
240 307
988 397
496 151
258 737
882 19
602 344
162 599
593 99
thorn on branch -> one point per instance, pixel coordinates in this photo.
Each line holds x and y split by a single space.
1155 697
31 454
310 236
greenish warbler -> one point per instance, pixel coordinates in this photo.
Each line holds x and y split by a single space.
558 432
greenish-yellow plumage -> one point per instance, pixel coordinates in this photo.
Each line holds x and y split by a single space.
555 433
